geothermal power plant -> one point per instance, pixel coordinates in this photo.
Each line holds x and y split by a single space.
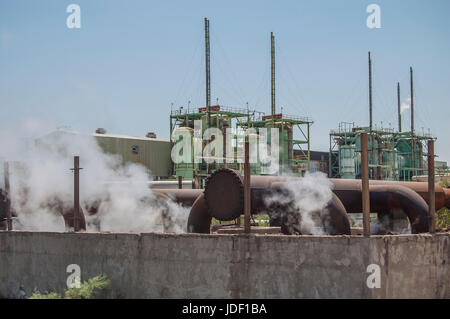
303 224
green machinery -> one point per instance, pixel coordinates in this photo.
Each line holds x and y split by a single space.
288 127
220 117
239 120
392 155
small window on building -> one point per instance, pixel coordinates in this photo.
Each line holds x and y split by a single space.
135 149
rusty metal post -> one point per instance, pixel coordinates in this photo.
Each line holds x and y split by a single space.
247 188
365 185
8 198
431 193
180 182
76 193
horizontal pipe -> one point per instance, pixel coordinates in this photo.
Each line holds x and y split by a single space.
224 200
184 197
343 185
385 196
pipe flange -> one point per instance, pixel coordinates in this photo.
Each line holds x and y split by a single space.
224 194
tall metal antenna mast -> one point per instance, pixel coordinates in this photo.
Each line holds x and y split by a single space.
370 94
412 100
399 108
272 54
208 72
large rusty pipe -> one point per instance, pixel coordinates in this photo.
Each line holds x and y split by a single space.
384 198
223 196
199 220
333 218
447 197
340 186
388 199
225 201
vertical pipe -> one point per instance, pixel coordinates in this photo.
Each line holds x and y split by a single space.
208 72
431 194
76 192
399 108
365 185
180 182
272 58
8 198
413 144
247 189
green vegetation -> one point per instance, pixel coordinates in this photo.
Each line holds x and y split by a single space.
445 182
262 220
443 218
87 290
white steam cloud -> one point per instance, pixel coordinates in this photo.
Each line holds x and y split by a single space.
303 203
405 106
116 195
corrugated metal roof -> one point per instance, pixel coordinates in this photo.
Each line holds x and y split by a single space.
128 137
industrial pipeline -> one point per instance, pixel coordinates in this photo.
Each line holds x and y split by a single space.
223 199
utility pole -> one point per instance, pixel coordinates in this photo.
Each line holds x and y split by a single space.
247 207
399 108
76 193
365 185
370 110
208 73
272 58
431 190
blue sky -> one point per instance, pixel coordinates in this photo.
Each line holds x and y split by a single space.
131 59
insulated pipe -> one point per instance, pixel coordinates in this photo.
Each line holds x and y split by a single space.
225 185
224 201
333 217
184 197
199 220
420 188
384 199
342 185
447 197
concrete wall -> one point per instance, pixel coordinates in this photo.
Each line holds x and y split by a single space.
222 266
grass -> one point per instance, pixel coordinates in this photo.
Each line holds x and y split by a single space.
443 218
87 290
